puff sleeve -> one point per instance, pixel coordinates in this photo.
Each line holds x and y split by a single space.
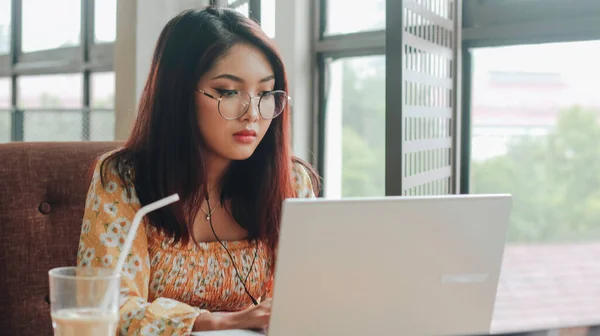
107 219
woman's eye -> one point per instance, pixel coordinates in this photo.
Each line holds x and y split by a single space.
227 93
264 93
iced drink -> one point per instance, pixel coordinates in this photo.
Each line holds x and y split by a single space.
84 301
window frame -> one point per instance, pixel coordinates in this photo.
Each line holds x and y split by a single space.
86 58
515 22
333 47
369 43
254 7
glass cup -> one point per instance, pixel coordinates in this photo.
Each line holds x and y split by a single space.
84 301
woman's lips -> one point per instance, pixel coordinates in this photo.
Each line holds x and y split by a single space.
245 136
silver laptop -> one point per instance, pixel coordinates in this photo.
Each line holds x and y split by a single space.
389 266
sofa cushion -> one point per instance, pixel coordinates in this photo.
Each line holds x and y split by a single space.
43 188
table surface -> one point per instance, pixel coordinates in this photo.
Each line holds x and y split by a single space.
228 333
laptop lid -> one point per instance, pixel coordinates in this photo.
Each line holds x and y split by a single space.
389 266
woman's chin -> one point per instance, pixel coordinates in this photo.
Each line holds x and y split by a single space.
241 154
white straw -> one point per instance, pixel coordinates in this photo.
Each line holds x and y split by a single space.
137 219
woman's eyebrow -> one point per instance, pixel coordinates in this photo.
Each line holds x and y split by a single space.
241 80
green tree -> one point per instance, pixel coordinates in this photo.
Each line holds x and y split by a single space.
364 125
555 180
360 165
363 130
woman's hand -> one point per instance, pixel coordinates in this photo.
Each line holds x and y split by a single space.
255 317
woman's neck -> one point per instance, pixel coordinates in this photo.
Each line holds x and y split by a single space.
216 167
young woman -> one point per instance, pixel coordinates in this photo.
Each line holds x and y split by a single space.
213 126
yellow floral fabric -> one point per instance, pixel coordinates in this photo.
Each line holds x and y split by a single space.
164 286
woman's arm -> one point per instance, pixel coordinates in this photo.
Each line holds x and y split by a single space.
107 219
255 317
302 181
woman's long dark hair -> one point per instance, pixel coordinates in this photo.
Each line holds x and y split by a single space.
166 150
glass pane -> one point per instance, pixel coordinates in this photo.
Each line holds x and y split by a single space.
105 23
535 132
244 9
52 126
43 31
102 94
102 117
355 128
102 125
5 113
5 92
50 91
5 126
353 16
267 17
5 10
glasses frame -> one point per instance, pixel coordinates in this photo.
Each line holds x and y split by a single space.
249 100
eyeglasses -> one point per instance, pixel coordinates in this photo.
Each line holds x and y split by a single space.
232 104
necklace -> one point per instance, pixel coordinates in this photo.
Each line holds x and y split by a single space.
210 211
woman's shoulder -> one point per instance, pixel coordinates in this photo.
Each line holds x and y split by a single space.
305 178
113 166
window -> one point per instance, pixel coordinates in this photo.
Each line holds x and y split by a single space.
52 107
5 94
267 17
105 23
102 116
50 92
353 16
5 126
5 11
42 30
54 98
355 127
60 125
258 10
244 9
535 131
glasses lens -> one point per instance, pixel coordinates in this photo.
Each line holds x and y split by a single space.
272 104
233 104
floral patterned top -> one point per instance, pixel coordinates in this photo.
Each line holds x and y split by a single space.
165 286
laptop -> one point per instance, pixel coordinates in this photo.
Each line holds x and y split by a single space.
389 266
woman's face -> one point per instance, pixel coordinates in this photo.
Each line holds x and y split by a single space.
243 70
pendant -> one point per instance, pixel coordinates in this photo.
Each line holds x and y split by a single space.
208 217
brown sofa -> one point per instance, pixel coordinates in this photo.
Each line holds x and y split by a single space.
42 195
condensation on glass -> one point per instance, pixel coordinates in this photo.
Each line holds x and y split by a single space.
428 97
